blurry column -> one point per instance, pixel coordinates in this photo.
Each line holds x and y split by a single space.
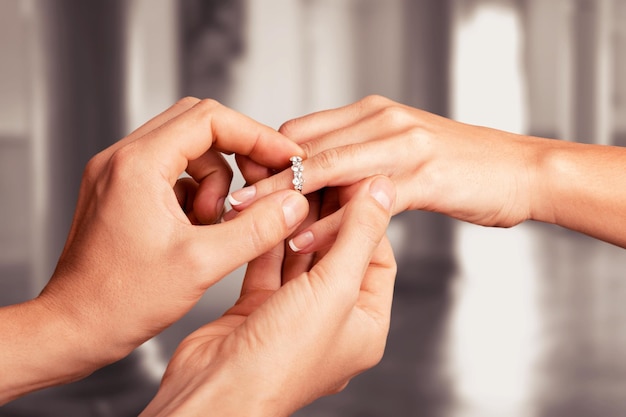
428 30
619 65
592 35
401 51
426 258
152 59
548 57
15 203
78 109
78 84
569 57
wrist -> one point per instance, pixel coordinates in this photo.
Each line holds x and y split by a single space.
225 389
92 325
544 161
86 332
41 351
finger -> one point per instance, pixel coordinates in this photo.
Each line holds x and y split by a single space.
330 204
207 125
337 167
295 264
378 283
264 273
318 235
221 248
312 126
322 233
185 191
176 109
379 123
251 171
214 175
363 226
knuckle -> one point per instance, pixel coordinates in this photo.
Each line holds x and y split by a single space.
207 106
289 128
309 148
192 254
419 138
264 233
420 141
208 102
94 167
374 100
123 160
327 160
186 102
394 115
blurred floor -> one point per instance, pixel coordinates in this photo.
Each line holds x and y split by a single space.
531 323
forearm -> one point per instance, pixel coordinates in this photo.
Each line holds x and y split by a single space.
582 187
37 350
228 392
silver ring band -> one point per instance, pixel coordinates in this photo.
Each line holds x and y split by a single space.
297 168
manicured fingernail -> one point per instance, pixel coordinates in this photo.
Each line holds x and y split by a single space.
301 241
379 189
293 210
242 196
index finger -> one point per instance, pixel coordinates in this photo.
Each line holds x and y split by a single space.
363 227
309 127
209 124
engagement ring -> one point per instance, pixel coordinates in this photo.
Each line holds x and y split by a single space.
297 168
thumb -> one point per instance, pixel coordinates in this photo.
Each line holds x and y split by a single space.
255 231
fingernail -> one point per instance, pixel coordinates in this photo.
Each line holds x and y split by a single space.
242 196
379 189
229 215
293 210
220 208
301 241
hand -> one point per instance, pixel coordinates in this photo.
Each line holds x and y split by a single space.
134 261
280 347
472 173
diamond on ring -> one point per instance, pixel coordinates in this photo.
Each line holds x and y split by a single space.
297 168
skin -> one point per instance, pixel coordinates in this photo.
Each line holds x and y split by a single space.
476 174
284 344
141 250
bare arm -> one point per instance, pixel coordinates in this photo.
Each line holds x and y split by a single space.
582 187
473 173
142 249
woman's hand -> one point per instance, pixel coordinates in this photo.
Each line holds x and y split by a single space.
472 173
476 174
135 261
280 347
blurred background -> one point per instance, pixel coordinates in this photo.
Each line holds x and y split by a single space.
521 322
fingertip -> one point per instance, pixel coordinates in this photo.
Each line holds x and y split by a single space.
293 246
295 209
301 241
242 196
382 189
233 201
